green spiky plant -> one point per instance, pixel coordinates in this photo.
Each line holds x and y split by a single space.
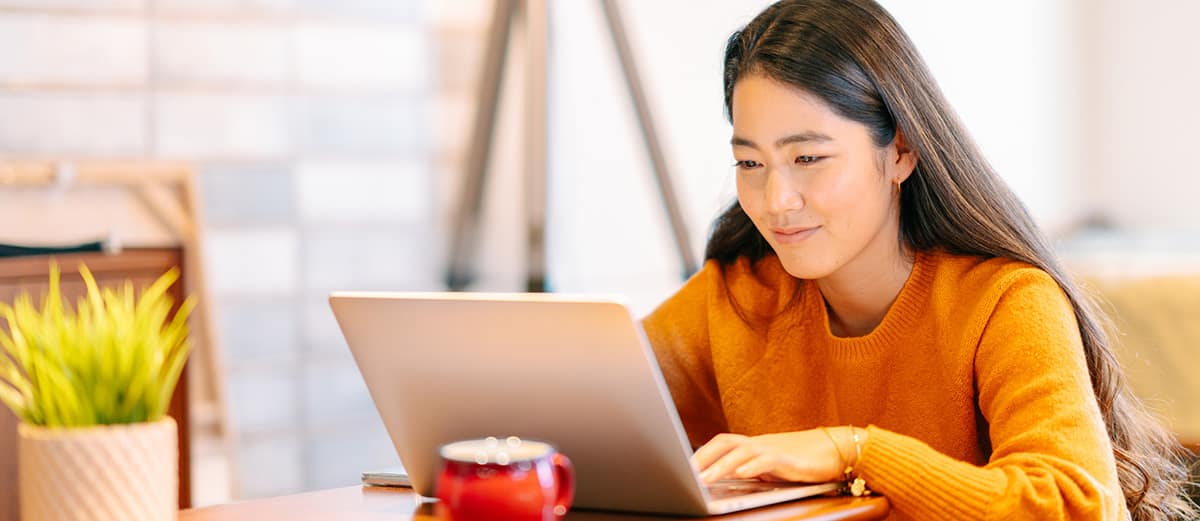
114 359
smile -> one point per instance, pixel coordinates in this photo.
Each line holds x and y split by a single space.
793 235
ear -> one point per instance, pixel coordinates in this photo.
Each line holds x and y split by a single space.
901 159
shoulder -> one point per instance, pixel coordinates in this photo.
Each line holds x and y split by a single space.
759 288
749 282
971 289
973 277
762 288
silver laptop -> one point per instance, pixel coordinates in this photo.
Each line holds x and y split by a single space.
572 371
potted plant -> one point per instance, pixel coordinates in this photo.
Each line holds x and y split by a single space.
91 386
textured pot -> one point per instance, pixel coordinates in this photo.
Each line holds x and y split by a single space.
104 473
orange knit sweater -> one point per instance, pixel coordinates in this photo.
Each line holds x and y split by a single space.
974 386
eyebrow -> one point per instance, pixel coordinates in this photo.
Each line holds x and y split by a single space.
803 137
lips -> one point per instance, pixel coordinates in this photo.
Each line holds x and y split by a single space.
793 234
793 230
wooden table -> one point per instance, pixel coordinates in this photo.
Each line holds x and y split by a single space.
364 503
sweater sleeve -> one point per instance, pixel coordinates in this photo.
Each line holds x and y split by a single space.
678 332
1051 456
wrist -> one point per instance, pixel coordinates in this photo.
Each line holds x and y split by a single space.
851 441
845 438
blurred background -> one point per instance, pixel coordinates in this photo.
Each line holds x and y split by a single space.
329 138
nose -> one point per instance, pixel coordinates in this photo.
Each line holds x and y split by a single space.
783 192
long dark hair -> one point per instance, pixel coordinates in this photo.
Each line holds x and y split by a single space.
855 57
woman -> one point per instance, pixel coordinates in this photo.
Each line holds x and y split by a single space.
878 307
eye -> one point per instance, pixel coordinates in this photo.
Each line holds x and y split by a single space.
747 163
808 160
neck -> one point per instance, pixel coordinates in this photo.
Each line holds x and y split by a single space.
859 295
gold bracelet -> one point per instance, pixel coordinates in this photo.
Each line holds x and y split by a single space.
858 486
838 448
857 444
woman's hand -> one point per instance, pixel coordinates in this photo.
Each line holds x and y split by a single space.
805 456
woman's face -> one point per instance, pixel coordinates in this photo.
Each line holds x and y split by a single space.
814 183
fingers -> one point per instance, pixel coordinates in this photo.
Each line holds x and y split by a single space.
804 456
763 465
737 463
717 447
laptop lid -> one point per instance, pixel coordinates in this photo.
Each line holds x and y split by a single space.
572 371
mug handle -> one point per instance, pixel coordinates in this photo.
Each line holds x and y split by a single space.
565 472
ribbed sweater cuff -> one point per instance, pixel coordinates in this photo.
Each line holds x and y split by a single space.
924 483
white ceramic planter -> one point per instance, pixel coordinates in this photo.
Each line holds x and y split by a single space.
103 473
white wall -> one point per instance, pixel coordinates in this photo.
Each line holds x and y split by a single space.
1144 122
1008 68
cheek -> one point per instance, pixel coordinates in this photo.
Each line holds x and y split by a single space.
835 194
749 196
851 201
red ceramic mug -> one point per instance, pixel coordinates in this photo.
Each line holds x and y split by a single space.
509 480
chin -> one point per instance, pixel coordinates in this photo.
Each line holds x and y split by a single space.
805 267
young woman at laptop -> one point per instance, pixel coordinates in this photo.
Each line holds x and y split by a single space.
878 306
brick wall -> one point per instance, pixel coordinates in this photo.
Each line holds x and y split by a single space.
311 124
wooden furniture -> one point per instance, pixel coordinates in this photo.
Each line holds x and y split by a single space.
361 503
29 274
139 204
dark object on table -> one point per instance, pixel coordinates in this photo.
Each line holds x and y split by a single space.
17 250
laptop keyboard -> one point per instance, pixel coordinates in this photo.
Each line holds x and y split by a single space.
725 489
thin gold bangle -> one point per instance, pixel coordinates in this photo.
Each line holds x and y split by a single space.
857 445
837 448
858 486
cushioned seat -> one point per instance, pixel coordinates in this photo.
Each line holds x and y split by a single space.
1156 324
1157 331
